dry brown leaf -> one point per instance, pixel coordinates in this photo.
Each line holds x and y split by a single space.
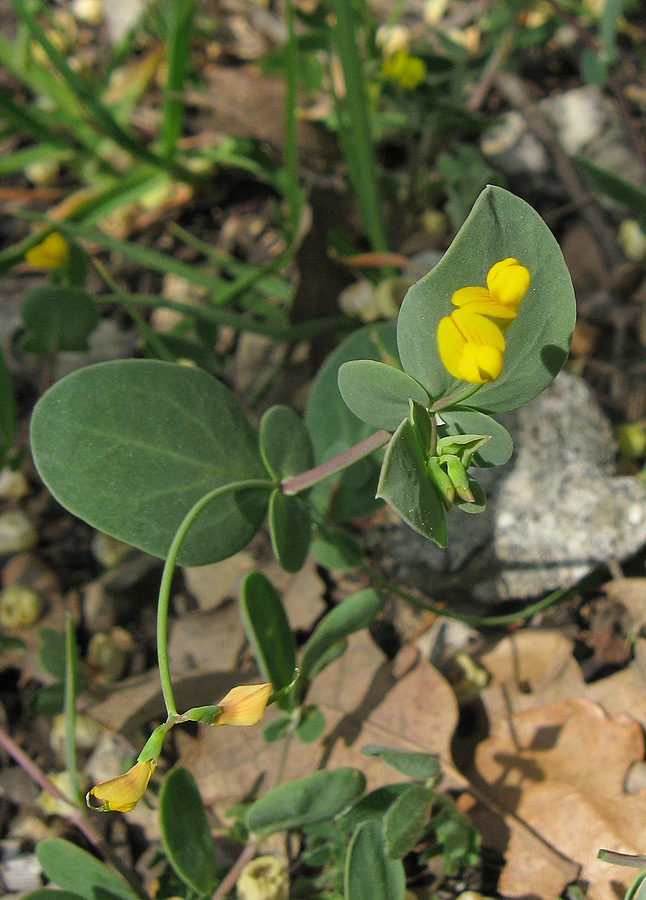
529 669
561 769
365 698
630 593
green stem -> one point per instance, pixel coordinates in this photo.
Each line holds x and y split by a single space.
69 708
456 397
291 131
305 480
167 578
595 578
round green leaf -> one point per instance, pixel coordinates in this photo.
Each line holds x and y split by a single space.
58 318
379 394
304 801
311 726
131 446
499 447
500 225
267 628
290 528
369 874
78 872
285 445
406 487
185 832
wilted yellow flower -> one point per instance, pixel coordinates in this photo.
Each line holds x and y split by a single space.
51 253
471 346
244 705
123 793
408 71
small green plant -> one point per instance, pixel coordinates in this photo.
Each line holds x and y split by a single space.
166 460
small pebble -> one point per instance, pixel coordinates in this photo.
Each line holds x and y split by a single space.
17 533
20 607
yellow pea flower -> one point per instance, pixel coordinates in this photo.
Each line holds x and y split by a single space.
471 346
50 253
243 705
408 71
122 794
507 284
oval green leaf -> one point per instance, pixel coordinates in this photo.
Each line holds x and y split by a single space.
311 726
304 801
405 820
406 487
411 763
290 528
499 447
58 318
78 872
185 832
267 628
537 343
354 613
285 445
148 439
369 874
337 550
379 394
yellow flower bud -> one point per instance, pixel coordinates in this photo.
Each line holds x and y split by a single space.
408 71
50 253
244 705
122 794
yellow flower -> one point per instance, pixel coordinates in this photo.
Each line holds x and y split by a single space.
243 705
471 346
408 71
507 283
123 793
50 253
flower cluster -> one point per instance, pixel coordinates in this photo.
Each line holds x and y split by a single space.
471 340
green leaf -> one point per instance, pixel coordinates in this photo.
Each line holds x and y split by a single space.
334 428
373 806
500 225
78 872
614 186
301 802
185 832
276 730
378 394
637 890
369 874
58 318
52 652
407 762
406 487
499 447
49 894
290 528
311 726
285 445
267 628
352 614
337 550
148 440
405 820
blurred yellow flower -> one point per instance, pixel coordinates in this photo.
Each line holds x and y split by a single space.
122 794
408 71
51 253
471 346
244 705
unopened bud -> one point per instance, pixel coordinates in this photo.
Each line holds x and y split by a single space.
20 607
107 655
264 878
123 793
244 705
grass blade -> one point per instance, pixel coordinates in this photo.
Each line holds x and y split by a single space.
179 40
69 707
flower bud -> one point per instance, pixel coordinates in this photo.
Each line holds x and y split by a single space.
244 705
122 794
264 878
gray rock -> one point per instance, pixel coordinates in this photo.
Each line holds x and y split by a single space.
554 511
585 123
